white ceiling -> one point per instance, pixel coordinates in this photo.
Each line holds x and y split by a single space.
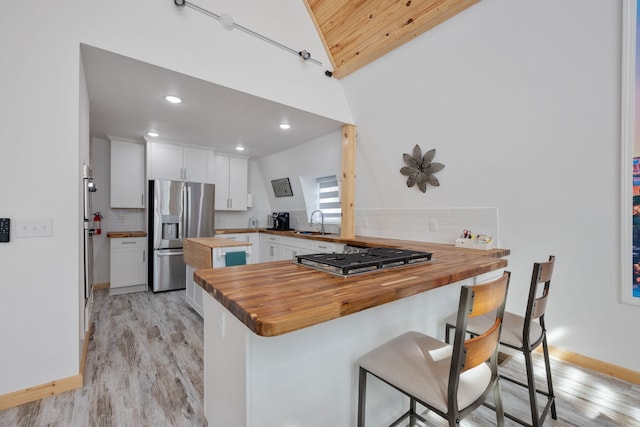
127 100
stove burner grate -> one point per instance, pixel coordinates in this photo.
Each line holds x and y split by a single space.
371 259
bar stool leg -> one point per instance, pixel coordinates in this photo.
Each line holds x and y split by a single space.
547 366
531 383
362 396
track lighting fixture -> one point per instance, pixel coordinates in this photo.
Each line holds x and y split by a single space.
227 22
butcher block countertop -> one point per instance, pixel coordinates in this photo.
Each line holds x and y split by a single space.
275 298
197 250
125 234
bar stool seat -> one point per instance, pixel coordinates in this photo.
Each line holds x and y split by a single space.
419 365
449 380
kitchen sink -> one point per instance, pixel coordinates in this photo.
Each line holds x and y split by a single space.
312 233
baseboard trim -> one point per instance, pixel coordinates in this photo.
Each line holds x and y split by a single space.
614 371
85 347
98 286
41 391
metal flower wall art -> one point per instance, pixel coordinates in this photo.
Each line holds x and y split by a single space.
420 169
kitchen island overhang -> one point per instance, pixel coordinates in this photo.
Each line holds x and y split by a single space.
280 297
282 340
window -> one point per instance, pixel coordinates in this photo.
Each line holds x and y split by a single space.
329 198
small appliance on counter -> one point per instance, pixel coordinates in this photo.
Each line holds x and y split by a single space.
280 221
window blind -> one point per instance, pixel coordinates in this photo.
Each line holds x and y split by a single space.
329 198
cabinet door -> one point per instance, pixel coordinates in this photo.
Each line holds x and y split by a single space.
221 172
165 161
231 179
238 177
254 239
127 174
199 165
128 262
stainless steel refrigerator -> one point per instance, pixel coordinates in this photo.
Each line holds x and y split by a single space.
177 210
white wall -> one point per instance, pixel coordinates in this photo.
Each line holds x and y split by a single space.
521 101
42 127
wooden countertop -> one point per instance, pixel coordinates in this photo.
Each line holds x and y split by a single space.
279 297
125 234
371 242
197 250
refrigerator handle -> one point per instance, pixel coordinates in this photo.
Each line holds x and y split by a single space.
186 211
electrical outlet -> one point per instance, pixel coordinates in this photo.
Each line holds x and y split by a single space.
433 225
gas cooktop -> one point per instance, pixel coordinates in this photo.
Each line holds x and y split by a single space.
364 260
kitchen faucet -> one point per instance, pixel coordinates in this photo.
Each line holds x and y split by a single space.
321 219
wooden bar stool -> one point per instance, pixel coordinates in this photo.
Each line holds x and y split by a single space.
450 380
525 334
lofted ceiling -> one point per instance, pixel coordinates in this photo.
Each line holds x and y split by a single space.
126 95
356 33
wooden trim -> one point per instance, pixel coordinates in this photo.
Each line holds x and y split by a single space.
85 348
321 34
595 365
41 391
99 286
348 182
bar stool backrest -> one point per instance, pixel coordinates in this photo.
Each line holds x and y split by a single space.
538 296
477 300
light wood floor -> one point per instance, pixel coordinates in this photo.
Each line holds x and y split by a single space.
145 368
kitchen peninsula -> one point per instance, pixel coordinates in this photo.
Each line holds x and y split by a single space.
282 339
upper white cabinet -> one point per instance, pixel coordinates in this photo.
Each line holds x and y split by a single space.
231 177
127 174
179 163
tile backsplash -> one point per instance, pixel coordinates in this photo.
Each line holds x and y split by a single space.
439 225
125 220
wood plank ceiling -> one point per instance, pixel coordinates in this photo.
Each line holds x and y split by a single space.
357 32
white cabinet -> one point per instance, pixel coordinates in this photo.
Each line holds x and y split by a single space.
270 248
127 174
253 254
194 294
327 247
291 247
128 268
179 163
231 179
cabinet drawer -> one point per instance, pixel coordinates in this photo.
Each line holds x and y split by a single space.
297 242
270 238
327 247
128 242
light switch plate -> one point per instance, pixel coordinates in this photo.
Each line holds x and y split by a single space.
34 228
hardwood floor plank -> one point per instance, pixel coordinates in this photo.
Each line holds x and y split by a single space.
145 368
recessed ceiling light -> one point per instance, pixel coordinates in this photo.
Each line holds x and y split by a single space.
239 148
173 99
153 134
284 125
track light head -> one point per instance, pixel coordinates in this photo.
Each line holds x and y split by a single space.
179 3
304 54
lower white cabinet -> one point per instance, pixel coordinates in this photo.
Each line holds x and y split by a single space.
292 246
128 267
194 294
327 247
270 248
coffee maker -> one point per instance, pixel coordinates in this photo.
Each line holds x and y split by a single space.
280 220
